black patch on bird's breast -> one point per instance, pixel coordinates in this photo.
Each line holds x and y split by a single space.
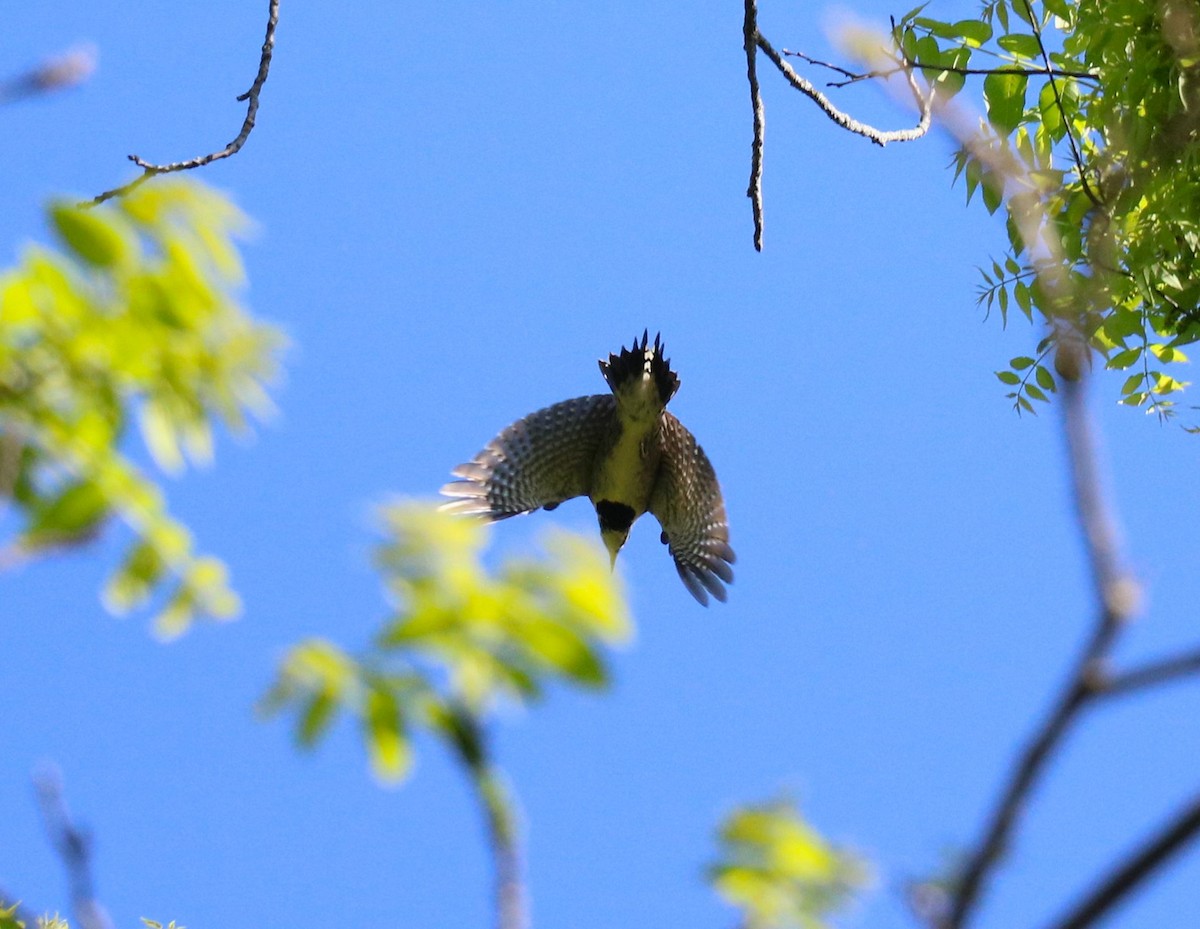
614 516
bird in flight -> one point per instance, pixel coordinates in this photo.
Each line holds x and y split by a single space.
626 453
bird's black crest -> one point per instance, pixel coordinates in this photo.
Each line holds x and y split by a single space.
632 362
614 516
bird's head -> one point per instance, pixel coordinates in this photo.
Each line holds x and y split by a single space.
615 520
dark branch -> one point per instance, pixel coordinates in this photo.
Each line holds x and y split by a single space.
250 96
754 191
73 845
1152 674
754 41
1117 594
1127 877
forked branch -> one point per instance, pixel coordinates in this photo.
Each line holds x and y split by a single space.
754 42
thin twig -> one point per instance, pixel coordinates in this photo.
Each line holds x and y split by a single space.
73 846
1037 34
855 76
1127 877
1152 674
754 191
250 96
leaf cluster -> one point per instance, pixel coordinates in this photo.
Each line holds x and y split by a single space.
132 322
461 640
780 872
11 918
1092 143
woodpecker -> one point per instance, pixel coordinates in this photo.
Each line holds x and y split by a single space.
626 453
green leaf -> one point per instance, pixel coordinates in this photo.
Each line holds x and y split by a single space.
316 717
1025 46
1034 391
974 31
135 580
387 744
92 238
1050 112
1124 359
1045 378
1008 377
1004 98
77 510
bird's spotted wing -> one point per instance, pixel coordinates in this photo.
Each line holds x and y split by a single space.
540 460
687 502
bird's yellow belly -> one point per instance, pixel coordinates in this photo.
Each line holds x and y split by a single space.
625 472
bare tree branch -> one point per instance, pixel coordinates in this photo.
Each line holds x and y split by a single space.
753 41
69 69
1139 866
880 137
754 191
1118 596
73 845
251 96
1149 675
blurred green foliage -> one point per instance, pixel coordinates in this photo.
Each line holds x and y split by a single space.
461 640
10 918
1102 161
779 872
133 321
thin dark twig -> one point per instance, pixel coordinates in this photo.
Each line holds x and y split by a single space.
73 846
1037 34
855 76
1117 595
1150 675
250 97
1116 886
754 190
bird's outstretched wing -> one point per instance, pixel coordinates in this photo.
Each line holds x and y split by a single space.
540 460
687 502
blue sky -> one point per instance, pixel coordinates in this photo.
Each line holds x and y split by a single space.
459 208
